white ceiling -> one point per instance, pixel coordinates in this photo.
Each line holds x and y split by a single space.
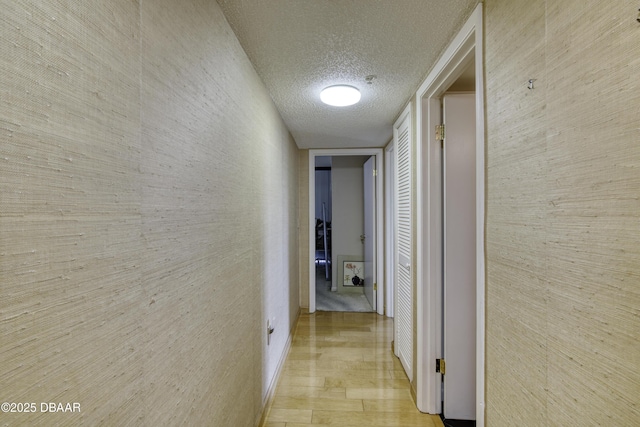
298 47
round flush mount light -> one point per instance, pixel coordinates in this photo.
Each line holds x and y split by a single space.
340 95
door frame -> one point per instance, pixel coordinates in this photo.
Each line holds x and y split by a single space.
466 47
379 250
390 235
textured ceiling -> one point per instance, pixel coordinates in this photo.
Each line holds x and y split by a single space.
298 47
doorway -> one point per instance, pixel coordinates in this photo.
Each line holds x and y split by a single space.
462 57
344 245
376 238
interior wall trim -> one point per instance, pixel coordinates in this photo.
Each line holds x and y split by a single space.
466 47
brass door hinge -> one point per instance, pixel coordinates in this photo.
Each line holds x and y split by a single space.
440 132
375 286
440 366
375 172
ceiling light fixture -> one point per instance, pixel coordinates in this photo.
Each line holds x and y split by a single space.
340 95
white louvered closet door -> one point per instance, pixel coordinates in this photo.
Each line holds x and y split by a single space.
404 297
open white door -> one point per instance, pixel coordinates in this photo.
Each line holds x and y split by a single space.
459 188
369 233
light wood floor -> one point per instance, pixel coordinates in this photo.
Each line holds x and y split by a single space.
341 372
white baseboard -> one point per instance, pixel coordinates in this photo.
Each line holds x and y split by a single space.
268 400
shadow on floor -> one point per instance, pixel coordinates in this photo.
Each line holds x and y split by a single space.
458 423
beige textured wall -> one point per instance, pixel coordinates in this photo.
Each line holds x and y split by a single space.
148 205
563 213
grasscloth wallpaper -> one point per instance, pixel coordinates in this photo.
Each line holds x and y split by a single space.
563 213
148 216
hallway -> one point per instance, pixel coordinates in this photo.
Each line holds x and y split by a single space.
156 236
340 371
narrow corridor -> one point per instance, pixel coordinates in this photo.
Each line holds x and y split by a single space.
341 372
